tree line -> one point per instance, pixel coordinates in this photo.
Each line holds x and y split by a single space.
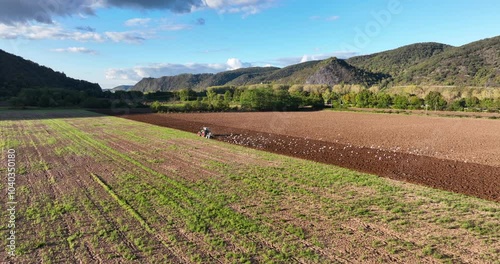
265 97
289 98
432 101
59 97
253 98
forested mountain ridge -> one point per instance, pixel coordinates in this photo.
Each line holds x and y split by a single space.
473 64
396 61
329 72
17 73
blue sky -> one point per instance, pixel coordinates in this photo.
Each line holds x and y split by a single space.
114 42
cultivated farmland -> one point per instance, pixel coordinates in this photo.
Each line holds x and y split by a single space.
459 155
101 189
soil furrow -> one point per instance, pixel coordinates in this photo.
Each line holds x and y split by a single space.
473 179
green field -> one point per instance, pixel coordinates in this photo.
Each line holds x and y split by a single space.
101 189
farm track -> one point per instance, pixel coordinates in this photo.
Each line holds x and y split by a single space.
468 178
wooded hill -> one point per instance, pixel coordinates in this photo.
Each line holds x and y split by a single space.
474 64
17 73
330 72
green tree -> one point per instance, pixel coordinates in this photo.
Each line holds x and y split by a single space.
435 101
264 99
186 94
400 102
221 104
211 95
248 99
383 100
155 106
237 92
314 100
228 96
472 101
364 98
30 97
414 102
347 99
45 100
327 96
282 100
93 102
199 105
16 102
487 103
457 105
336 100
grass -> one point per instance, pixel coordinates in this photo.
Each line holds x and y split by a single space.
71 239
123 203
277 209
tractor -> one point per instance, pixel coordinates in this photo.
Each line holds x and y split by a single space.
205 132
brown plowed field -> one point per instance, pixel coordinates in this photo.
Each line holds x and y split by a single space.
459 155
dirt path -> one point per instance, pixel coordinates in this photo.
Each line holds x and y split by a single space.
396 160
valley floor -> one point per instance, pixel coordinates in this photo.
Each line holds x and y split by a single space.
101 189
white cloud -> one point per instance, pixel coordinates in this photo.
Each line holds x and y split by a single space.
122 74
332 18
137 22
156 24
338 54
171 69
310 57
85 28
57 32
247 7
234 63
307 58
76 50
45 31
174 27
85 36
133 37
